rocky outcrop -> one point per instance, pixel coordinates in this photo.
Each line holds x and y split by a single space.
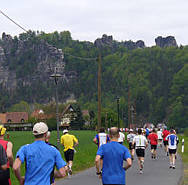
48 59
165 41
109 42
134 45
104 41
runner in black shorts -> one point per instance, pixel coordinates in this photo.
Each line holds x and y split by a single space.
165 143
131 146
69 155
140 152
141 144
130 138
153 147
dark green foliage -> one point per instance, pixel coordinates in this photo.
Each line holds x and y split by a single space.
156 77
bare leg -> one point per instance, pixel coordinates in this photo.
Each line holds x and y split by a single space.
173 160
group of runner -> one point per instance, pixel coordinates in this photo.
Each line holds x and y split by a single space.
40 158
110 155
155 137
139 140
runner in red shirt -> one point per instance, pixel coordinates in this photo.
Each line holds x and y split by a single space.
165 141
153 141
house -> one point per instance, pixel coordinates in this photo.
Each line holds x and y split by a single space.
40 115
13 117
67 116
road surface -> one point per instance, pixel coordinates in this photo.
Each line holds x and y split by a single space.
156 172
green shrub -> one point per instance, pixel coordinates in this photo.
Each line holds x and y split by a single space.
186 132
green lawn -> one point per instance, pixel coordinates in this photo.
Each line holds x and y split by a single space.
84 157
184 158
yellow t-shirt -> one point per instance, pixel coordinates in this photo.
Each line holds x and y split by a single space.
68 141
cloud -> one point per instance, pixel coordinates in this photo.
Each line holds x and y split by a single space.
89 19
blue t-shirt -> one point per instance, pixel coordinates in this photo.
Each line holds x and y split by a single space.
40 159
102 138
172 141
113 155
147 132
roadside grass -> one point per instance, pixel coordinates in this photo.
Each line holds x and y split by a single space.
184 158
85 151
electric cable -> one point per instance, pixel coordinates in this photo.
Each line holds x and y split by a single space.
25 30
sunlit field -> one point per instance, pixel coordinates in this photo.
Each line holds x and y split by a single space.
85 151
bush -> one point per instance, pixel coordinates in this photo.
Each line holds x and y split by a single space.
186 132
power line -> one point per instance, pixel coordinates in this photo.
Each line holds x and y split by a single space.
13 21
81 58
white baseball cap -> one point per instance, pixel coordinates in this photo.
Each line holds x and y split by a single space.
65 131
131 130
40 128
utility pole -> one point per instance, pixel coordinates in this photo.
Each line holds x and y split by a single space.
99 92
106 121
118 111
129 107
56 76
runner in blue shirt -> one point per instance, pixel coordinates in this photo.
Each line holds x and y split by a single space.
172 147
101 138
39 158
113 154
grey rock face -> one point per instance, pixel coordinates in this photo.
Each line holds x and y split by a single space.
47 59
104 41
108 41
165 41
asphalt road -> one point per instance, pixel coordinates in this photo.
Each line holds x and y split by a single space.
156 172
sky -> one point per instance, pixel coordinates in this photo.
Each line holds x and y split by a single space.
88 20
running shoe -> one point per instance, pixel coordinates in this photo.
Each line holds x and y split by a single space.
141 172
170 166
173 167
70 172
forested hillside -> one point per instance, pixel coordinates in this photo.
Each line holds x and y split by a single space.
155 78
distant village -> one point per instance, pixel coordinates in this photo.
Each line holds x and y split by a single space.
20 120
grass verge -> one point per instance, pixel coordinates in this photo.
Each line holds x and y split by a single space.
184 158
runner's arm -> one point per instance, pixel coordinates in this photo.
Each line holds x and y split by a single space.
61 172
3 159
10 154
16 168
146 143
129 164
95 141
75 141
97 163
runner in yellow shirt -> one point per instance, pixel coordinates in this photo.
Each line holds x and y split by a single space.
69 142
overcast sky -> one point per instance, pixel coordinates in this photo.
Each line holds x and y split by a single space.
90 19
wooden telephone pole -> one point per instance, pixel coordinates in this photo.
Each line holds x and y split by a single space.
99 93
129 109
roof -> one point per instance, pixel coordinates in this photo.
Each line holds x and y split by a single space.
69 107
39 114
13 117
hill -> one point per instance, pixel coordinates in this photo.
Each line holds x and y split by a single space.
155 77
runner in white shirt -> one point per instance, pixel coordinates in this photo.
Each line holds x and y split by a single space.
121 138
160 137
172 147
130 138
141 143
101 138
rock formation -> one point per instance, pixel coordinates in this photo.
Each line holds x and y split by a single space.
109 42
165 41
